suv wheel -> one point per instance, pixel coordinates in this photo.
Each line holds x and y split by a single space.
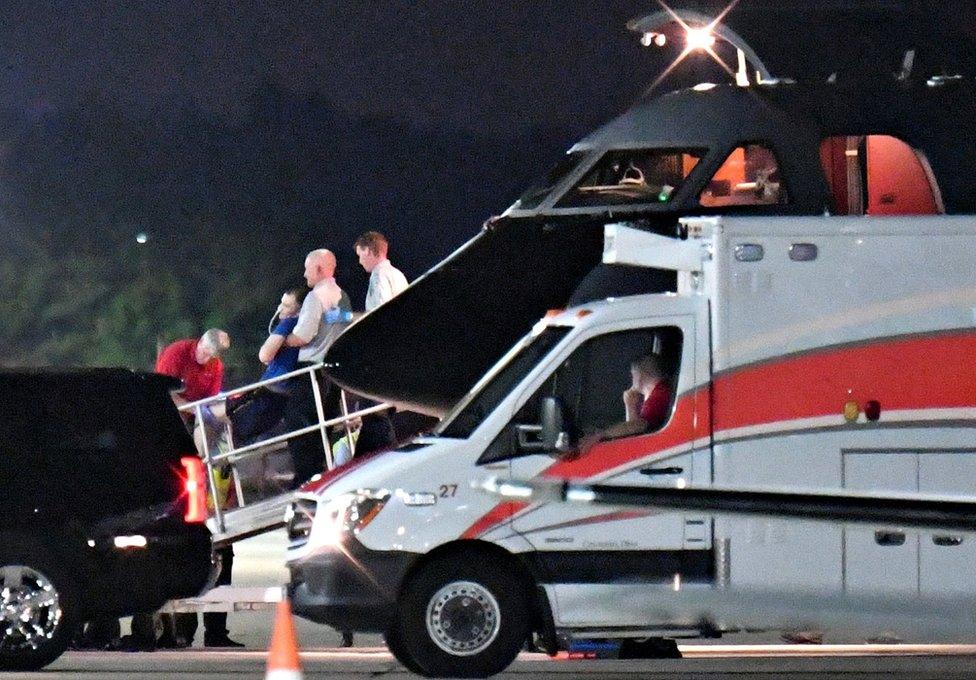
38 610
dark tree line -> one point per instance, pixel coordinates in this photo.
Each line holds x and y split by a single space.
229 208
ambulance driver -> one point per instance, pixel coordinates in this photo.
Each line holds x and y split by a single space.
646 403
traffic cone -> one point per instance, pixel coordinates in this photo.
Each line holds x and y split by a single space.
283 661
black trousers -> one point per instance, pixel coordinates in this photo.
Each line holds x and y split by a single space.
214 623
307 454
256 413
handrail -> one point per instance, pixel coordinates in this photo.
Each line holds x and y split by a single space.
247 388
258 448
228 455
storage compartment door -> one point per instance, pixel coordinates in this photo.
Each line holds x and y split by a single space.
880 559
947 561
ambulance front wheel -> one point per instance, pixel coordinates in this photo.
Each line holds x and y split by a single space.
460 618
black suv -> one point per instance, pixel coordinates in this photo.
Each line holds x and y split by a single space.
102 505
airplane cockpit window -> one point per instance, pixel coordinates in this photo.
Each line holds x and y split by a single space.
633 177
749 176
542 187
878 175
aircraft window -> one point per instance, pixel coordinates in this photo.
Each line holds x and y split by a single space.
542 187
749 176
877 175
633 176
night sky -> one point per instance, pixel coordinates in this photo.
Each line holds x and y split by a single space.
239 135
492 68
495 68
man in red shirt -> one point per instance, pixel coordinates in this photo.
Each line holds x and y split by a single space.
647 404
195 361
649 398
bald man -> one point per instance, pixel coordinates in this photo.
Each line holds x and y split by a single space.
314 332
311 334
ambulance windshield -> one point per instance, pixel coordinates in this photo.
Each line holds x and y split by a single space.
461 423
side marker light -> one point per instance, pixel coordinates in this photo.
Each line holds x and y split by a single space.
872 410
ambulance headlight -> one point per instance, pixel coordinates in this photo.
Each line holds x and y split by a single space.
346 514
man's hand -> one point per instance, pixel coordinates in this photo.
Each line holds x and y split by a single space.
632 400
296 341
584 445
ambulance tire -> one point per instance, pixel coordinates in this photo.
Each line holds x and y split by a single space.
41 576
394 643
461 616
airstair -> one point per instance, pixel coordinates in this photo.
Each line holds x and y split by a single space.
250 486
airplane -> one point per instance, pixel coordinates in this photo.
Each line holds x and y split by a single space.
424 349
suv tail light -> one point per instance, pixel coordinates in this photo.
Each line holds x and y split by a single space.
195 490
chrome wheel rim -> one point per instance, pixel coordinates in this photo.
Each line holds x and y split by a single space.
30 608
463 618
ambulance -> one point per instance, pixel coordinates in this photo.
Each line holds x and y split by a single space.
814 352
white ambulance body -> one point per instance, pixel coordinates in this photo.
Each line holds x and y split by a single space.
804 353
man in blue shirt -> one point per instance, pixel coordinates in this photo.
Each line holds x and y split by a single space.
265 406
278 356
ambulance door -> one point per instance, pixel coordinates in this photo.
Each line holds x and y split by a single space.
865 548
583 548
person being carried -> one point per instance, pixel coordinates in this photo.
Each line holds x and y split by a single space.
385 280
257 412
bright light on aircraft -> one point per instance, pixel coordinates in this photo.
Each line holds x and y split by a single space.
652 38
699 38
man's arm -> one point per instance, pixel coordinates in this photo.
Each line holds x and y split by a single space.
384 287
216 380
168 363
295 340
270 348
309 319
391 283
179 400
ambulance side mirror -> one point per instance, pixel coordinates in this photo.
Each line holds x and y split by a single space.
550 435
555 438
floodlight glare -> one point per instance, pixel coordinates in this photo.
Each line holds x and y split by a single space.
699 38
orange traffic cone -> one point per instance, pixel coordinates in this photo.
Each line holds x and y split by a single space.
283 661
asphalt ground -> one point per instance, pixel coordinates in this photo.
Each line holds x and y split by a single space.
260 562
713 662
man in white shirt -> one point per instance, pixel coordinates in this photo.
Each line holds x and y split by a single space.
385 280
